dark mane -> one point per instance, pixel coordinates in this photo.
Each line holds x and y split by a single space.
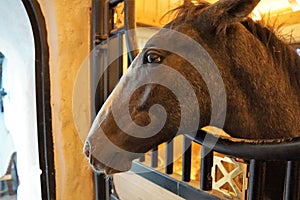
281 51
283 54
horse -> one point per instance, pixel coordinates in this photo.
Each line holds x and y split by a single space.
242 78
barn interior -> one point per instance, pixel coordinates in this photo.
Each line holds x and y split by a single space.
46 106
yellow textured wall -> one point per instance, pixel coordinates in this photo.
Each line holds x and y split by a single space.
68 24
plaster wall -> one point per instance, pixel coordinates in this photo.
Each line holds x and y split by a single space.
68 29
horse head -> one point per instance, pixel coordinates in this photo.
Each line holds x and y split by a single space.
206 67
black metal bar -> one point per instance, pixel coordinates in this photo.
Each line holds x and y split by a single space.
169 157
109 186
98 35
154 157
97 82
115 69
99 32
130 25
205 170
277 149
256 179
142 158
292 186
99 27
119 71
186 159
177 187
190 193
100 186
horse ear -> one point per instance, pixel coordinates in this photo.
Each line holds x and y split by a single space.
237 8
228 11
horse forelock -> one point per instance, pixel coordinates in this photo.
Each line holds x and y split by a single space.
185 12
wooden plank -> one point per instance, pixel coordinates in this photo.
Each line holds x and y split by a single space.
286 18
150 12
293 30
130 186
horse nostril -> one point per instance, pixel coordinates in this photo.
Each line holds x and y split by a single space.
86 149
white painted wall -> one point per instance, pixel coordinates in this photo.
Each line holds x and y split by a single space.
17 44
7 147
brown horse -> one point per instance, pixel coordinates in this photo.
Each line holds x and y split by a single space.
212 65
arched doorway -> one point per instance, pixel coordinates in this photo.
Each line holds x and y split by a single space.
23 41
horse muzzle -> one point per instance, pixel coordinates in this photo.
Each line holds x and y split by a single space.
113 166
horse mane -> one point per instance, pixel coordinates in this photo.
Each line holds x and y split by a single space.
282 52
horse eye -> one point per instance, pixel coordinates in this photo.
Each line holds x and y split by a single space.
152 57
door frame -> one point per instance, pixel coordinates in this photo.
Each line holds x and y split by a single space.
44 116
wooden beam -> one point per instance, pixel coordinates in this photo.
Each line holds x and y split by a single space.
286 18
